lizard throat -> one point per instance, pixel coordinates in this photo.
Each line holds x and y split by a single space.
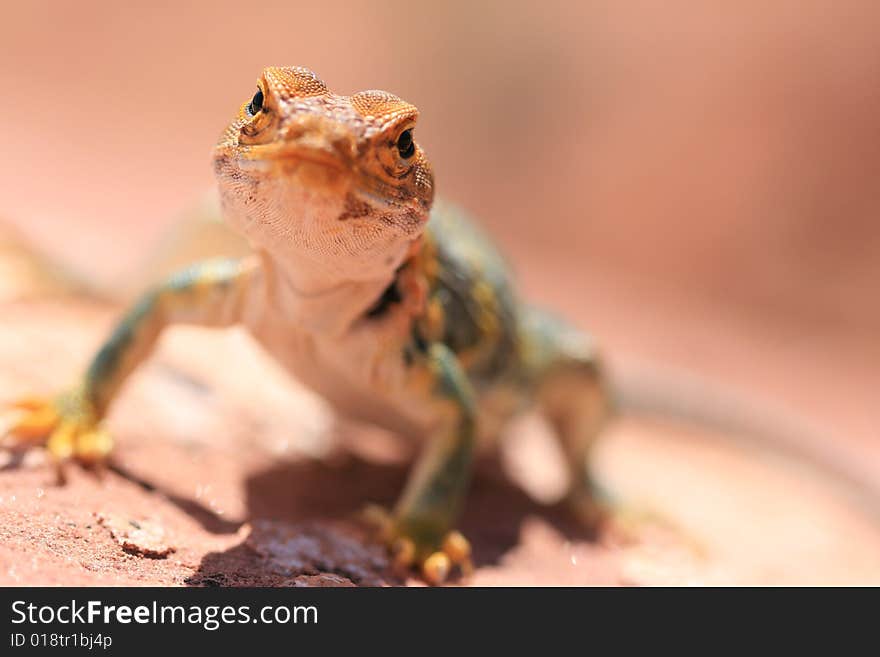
317 303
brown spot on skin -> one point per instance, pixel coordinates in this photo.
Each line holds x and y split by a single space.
407 218
354 208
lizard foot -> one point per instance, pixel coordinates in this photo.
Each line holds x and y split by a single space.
604 512
66 426
593 505
433 559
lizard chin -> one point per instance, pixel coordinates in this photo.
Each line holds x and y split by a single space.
320 220
327 178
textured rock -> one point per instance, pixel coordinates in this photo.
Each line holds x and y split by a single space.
236 476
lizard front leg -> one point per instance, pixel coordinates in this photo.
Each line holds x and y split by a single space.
211 293
420 527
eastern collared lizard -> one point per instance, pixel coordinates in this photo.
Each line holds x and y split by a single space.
395 308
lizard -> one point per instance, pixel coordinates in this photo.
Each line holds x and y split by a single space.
397 309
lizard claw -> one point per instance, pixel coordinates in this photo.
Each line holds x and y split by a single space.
66 426
458 549
435 569
454 551
434 562
403 552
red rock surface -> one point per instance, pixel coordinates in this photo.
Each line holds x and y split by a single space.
243 478
694 183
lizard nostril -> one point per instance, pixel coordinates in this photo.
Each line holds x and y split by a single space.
343 145
294 131
315 134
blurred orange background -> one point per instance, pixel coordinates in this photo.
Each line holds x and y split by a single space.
697 183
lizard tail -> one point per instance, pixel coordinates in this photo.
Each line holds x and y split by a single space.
757 424
26 273
199 234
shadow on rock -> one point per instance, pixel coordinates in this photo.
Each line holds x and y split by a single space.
305 530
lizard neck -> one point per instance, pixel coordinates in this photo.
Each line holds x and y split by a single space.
319 302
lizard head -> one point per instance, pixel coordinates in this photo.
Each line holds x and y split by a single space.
336 180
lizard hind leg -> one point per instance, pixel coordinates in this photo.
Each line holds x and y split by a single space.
573 395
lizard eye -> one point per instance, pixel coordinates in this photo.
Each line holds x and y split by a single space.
256 103
405 144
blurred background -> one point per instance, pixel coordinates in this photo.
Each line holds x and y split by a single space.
695 182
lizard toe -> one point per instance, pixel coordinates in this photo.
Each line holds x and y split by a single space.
436 568
35 420
65 426
433 560
455 551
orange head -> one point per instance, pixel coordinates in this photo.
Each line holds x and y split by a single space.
337 180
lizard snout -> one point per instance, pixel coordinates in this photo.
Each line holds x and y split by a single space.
313 136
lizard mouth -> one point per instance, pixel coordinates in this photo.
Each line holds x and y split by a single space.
317 170
321 169
291 155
